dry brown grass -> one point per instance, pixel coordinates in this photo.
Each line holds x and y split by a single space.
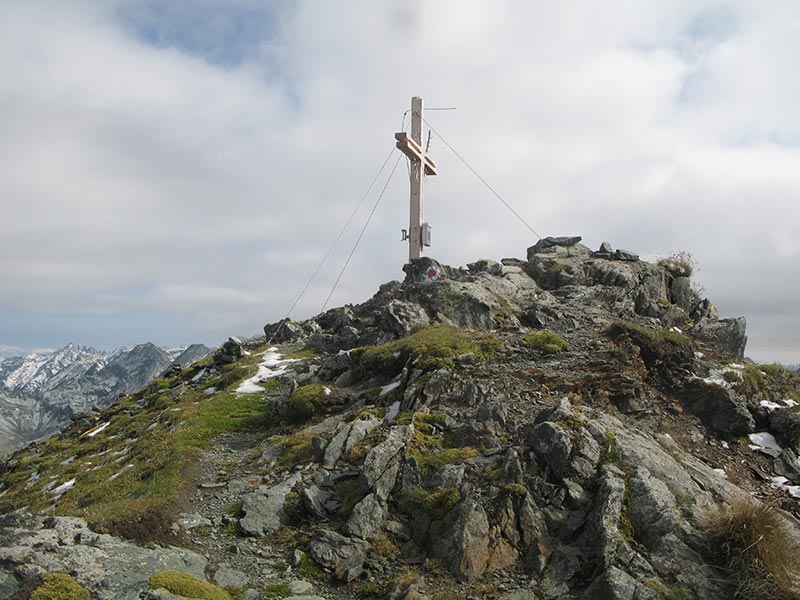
752 542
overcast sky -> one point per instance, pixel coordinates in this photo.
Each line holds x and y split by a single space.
173 171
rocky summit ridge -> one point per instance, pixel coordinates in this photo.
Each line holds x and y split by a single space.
575 424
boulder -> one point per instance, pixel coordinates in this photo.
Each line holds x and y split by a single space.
486 266
652 509
606 248
263 509
230 352
603 537
463 545
549 244
382 463
727 337
552 444
366 518
402 317
284 331
342 555
315 500
625 255
682 293
347 437
616 584
788 465
110 568
718 406
786 422
225 577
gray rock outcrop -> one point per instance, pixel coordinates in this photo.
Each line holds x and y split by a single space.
110 568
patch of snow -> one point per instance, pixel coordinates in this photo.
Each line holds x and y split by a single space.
210 390
272 366
737 366
770 406
120 472
717 376
59 491
721 473
327 391
779 483
675 330
764 440
699 355
68 461
389 387
393 411
725 444
93 432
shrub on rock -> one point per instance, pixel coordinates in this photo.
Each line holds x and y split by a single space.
305 402
59 586
546 341
187 585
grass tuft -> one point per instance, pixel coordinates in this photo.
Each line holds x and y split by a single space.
305 402
546 341
59 586
679 264
277 590
185 584
753 544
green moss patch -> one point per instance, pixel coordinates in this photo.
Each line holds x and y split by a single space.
546 341
296 449
59 586
639 332
436 502
772 382
430 348
431 445
305 402
185 584
308 569
277 590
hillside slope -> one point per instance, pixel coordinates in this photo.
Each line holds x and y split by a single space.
565 426
40 392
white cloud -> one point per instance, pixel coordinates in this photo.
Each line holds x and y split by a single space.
153 165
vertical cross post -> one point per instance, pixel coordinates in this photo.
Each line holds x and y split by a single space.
421 165
417 185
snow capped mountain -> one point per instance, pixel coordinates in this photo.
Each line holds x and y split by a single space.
40 391
28 374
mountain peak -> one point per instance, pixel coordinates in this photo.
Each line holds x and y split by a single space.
555 426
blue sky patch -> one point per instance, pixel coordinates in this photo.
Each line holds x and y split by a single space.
224 34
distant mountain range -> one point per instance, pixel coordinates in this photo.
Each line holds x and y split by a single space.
41 391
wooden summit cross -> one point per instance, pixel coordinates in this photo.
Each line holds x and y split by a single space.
419 233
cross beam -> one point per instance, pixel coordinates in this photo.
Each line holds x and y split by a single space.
418 232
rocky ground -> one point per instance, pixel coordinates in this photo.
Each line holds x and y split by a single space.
555 427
